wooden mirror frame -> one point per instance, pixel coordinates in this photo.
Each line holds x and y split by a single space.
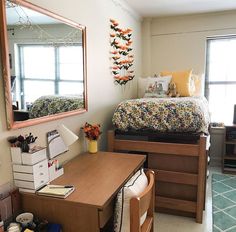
11 124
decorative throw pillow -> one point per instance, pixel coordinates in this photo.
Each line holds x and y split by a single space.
142 83
157 86
197 85
134 187
182 81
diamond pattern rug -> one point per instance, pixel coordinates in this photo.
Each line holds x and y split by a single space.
224 203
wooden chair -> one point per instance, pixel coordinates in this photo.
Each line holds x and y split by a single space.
141 204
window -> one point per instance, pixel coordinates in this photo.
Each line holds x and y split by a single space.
56 67
221 78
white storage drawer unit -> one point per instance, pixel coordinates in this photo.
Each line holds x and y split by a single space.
19 157
31 176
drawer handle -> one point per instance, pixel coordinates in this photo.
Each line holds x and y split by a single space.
41 181
40 166
41 174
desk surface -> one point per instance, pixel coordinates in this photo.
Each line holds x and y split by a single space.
98 177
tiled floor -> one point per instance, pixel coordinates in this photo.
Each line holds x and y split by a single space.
170 223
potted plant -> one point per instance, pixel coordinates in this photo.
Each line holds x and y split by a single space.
92 133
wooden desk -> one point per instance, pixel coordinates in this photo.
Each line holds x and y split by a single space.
97 178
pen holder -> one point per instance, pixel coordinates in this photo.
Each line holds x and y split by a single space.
55 173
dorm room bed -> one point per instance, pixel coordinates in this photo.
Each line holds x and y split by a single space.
172 132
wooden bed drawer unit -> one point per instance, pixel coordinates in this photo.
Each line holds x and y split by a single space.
178 163
180 172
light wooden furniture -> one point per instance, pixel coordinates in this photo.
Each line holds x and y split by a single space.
97 178
141 204
229 150
180 170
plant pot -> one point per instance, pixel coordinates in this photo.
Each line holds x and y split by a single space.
92 146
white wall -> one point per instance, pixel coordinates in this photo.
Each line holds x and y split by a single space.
179 42
103 95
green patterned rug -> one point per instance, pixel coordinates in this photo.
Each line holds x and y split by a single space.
224 203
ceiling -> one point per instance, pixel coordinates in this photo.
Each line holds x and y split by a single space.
18 14
157 8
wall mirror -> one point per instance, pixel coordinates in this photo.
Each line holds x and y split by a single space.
43 62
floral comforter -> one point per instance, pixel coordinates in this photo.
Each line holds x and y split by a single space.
184 114
53 104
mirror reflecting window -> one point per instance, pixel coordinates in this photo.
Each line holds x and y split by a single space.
45 59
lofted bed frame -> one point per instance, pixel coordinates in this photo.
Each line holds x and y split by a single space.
179 166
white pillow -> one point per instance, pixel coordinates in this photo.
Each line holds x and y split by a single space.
157 86
134 187
142 83
197 85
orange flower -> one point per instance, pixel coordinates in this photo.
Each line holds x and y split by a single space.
127 31
129 43
116 57
122 47
115 67
92 132
124 78
124 61
112 35
114 22
114 52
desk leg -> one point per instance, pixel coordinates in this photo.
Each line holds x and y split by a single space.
73 217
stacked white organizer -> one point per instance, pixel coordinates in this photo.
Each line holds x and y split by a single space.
30 170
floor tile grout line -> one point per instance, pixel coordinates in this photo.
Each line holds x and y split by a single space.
230 228
219 228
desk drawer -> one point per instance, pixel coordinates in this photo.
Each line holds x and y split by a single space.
31 177
37 168
30 184
105 214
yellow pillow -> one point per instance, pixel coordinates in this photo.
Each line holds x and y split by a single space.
182 81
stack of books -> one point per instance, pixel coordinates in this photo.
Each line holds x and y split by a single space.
59 191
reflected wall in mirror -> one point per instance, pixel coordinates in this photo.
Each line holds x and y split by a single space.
44 64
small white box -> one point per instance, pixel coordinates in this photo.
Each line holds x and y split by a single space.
33 158
16 155
53 173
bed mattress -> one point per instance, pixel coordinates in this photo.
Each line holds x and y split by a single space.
184 114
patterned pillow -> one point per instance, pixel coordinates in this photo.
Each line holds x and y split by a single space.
157 86
135 186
